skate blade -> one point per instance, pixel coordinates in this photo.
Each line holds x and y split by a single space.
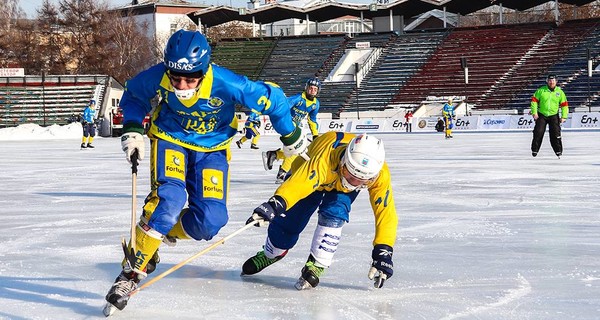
302 284
265 160
109 309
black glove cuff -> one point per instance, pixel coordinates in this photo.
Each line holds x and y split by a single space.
133 127
381 249
278 204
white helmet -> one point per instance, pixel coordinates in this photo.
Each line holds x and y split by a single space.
362 161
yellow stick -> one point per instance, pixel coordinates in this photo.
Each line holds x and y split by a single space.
186 261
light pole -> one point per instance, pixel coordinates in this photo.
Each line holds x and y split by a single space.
589 63
44 95
465 67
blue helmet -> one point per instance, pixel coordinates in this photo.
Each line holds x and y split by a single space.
187 52
313 82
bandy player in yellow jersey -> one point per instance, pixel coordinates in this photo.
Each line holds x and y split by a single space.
340 166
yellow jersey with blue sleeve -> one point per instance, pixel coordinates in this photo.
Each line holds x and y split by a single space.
207 121
321 173
302 107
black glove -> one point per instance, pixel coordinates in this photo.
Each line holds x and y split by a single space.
382 267
264 213
257 124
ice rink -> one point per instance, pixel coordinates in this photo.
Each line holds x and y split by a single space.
486 232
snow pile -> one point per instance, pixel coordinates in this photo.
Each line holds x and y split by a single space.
32 131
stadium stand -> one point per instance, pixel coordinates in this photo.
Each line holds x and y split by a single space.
490 53
53 101
401 58
537 62
245 56
295 59
571 68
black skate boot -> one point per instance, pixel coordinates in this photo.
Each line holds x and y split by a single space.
310 274
254 146
90 146
269 158
83 146
118 295
260 261
239 144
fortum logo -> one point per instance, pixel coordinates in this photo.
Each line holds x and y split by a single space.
491 122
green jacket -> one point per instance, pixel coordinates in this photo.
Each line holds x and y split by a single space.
547 102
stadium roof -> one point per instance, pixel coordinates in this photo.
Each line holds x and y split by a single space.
329 10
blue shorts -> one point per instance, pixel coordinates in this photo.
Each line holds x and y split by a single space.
334 208
178 173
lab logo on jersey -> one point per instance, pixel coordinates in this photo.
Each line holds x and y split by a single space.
212 184
174 167
215 102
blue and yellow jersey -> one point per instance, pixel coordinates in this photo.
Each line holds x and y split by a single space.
448 110
206 122
252 121
303 107
321 173
88 114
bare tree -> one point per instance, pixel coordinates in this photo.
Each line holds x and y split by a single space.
9 11
233 29
53 54
128 50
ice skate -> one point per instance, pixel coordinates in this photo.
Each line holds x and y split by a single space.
269 158
90 146
239 144
253 146
127 281
83 146
118 295
259 262
310 275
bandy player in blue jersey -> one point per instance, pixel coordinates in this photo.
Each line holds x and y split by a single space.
190 134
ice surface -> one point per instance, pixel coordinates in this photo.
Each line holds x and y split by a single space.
486 232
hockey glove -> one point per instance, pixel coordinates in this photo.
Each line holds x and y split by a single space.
133 140
295 143
382 267
264 213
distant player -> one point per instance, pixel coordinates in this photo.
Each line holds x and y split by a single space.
548 106
89 127
340 166
449 116
304 105
251 131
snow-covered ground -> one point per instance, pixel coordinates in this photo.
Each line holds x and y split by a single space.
486 232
